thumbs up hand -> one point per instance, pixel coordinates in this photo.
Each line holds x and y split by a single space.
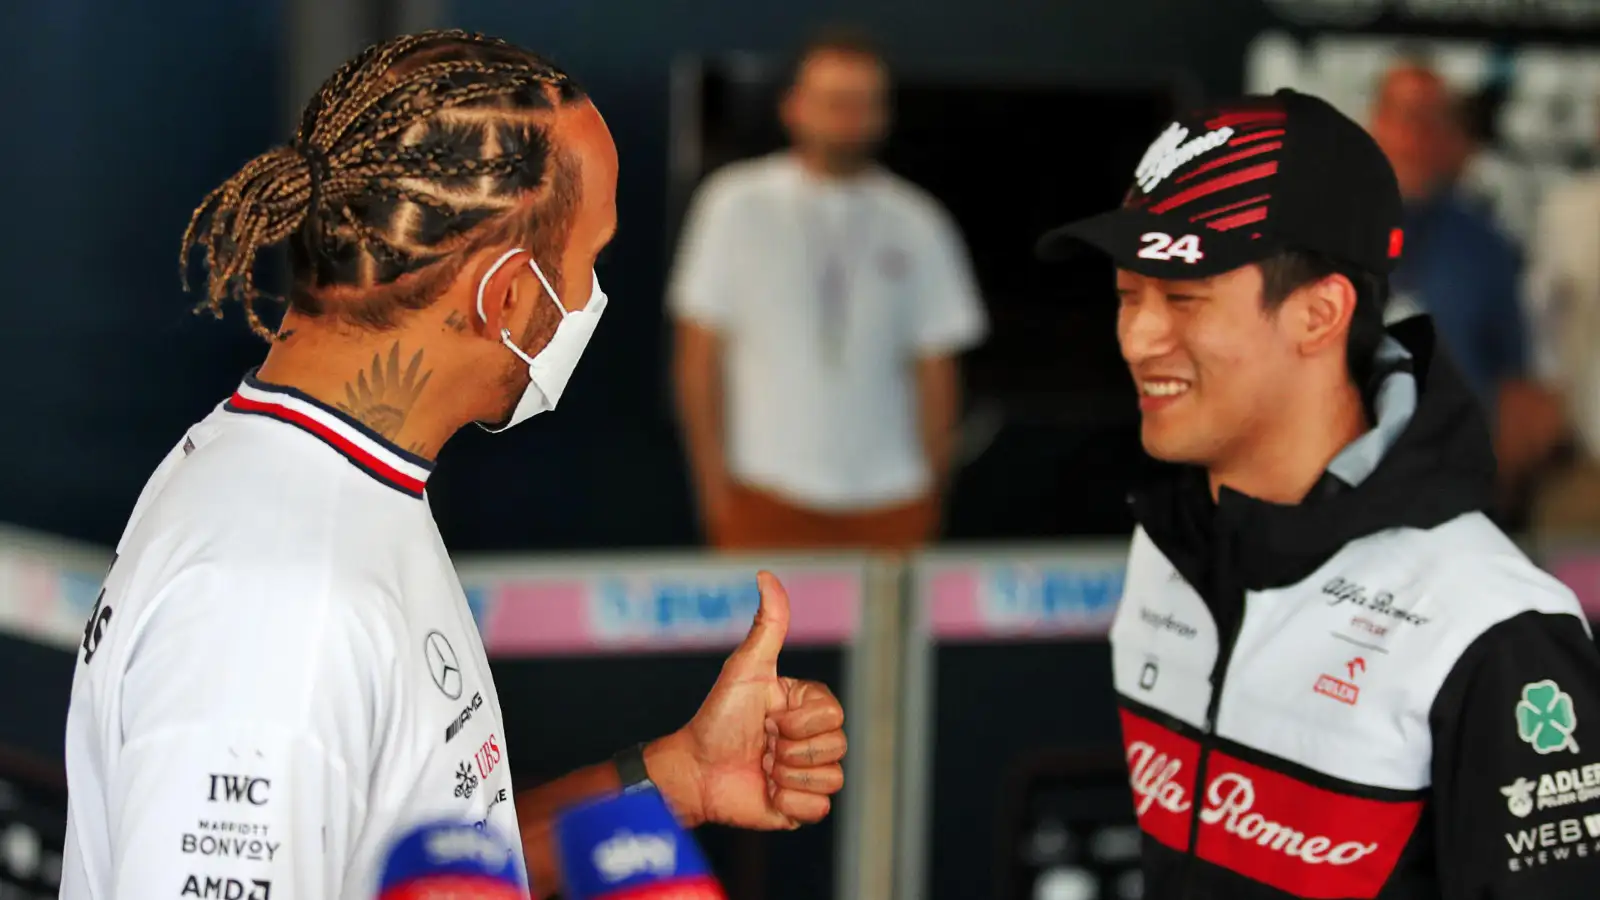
763 751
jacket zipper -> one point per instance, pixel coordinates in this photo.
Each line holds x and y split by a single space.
1219 675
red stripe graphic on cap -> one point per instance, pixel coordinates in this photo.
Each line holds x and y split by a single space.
1222 209
348 448
1255 136
1227 223
1231 157
1243 116
1220 183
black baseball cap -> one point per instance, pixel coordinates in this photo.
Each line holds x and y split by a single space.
1236 183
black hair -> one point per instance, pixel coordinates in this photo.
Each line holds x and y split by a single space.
1289 270
414 154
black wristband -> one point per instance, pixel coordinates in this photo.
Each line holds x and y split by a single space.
630 767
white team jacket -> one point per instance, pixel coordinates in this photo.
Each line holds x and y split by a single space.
281 673
1373 694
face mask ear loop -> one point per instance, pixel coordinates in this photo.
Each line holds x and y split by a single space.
548 289
505 333
484 284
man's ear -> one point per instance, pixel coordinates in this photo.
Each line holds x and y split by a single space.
1327 308
494 292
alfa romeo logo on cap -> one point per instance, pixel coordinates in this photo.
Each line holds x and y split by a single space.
442 664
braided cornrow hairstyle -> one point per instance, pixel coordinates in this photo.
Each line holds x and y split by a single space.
418 148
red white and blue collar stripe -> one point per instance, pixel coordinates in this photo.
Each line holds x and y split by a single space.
363 447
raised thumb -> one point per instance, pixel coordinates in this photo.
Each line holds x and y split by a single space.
758 654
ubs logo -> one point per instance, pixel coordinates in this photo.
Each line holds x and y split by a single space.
488 756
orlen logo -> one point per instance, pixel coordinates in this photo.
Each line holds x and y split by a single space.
626 854
465 842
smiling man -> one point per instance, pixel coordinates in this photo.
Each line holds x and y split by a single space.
1337 677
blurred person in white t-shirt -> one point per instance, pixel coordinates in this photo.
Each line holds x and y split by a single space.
821 304
1563 296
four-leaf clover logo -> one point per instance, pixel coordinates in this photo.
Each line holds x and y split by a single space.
1545 718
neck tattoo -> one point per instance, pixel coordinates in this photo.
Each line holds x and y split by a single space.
383 396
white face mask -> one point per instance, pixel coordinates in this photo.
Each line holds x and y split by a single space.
550 368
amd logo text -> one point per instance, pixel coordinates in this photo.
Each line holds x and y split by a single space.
227 889
236 788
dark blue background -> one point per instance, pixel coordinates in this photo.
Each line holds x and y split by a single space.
124 113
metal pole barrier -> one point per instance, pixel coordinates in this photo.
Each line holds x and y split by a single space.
915 771
866 842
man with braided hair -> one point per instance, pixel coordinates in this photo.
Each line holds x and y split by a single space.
282 669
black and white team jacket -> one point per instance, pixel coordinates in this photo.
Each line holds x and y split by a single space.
1371 694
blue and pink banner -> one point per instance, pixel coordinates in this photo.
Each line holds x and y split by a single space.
709 607
688 603
1039 595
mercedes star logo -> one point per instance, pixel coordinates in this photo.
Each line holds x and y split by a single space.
442 664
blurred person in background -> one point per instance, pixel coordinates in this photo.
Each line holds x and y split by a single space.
821 303
1459 267
1486 178
1337 676
282 668
1563 291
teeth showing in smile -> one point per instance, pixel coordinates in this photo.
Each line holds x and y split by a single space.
1163 388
